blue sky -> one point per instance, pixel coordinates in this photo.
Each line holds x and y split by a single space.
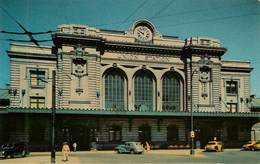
236 23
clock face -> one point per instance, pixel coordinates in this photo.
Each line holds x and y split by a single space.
143 33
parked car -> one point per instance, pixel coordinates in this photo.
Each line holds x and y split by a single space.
256 146
249 145
130 147
12 150
214 146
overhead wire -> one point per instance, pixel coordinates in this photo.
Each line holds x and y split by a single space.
134 12
158 13
177 13
210 20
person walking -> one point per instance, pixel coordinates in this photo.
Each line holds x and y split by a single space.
74 145
65 151
147 146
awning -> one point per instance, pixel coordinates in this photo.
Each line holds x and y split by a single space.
106 112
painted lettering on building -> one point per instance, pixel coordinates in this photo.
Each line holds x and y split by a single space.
146 58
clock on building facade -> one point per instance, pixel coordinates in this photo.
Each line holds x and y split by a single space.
143 33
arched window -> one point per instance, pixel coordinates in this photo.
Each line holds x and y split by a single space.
171 92
172 133
114 89
144 91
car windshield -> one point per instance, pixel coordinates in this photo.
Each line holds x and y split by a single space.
211 143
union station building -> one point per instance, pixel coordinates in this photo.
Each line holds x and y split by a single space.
108 87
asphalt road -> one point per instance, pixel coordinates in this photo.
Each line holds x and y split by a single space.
229 156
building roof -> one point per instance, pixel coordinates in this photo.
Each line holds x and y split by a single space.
4 94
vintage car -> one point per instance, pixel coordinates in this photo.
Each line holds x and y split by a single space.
214 146
130 147
256 146
249 145
13 150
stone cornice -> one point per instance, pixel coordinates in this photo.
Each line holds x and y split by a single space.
202 50
236 69
103 45
23 55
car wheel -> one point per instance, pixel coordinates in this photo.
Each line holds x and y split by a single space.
118 151
253 149
132 152
5 156
23 153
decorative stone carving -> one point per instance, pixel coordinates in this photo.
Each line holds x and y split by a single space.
79 66
205 78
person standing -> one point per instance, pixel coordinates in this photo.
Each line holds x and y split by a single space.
65 151
74 145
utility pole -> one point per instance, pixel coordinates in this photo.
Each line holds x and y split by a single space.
192 135
53 117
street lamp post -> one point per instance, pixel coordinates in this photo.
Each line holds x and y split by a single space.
192 135
53 111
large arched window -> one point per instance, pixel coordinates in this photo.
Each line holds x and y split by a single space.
143 91
115 89
171 92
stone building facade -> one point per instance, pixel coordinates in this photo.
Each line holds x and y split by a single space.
136 85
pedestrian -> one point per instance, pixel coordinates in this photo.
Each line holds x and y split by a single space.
65 151
147 146
74 145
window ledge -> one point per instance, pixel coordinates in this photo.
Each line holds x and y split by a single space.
37 87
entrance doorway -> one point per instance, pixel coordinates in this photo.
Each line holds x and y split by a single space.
255 132
83 136
144 133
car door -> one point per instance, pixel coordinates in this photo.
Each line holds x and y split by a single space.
127 147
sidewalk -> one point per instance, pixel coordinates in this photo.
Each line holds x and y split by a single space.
45 157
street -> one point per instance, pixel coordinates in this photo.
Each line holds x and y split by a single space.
153 156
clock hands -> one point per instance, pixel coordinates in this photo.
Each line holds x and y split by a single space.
140 31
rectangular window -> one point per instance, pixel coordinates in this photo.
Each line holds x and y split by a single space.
37 78
232 107
37 102
231 87
115 134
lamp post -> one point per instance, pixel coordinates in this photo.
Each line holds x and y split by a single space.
192 134
53 113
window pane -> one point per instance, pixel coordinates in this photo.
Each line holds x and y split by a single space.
114 90
171 93
37 102
231 87
143 91
37 77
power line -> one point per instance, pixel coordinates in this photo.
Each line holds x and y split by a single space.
135 11
210 20
162 9
26 32
177 13
203 10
